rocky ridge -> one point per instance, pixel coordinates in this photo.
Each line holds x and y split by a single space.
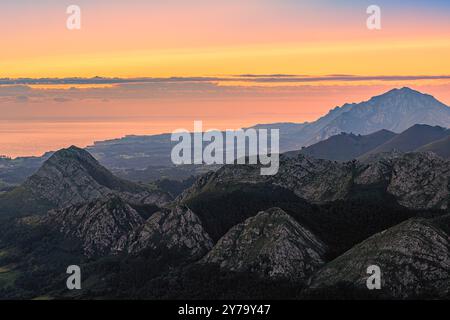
111 226
98 225
271 244
72 176
177 228
416 180
413 257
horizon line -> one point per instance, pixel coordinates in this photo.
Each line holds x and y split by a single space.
256 78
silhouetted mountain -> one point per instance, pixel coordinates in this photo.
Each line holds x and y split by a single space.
345 146
440 147
245 228
411 139
147 158
396 110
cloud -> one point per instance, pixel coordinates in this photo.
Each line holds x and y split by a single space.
224 88
348 78
22 98
102 80
13 90
60 99
266 75
256 78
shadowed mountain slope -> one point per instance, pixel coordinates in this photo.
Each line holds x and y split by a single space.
345 146
413 257
271 244
411 139
440 147
72 176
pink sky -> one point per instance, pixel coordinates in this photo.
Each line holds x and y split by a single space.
202 38
54 118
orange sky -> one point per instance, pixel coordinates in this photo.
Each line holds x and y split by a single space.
200 38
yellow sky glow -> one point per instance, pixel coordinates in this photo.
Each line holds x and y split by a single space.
362 58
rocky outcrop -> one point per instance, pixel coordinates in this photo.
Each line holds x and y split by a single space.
111 226
72 176
416 180
413 258
178 229
271 244
311 179
315 180
421 181
98 226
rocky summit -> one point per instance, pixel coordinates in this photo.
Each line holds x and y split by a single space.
72 176
98 226
111 226
311 230
271 244
177 228
312 179
415 180
421 181
413 257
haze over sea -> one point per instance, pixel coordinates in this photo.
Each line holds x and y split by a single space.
45 122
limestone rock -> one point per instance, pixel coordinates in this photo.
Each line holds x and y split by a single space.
271 244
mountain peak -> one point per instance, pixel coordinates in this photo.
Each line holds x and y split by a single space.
73 176
403 92
72 152
271 244
421 126
414 245
408 90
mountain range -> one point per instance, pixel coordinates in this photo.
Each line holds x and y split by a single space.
293 228
147 158
72 176
348 146
308 232
395 110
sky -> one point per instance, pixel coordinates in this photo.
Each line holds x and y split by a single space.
230 63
